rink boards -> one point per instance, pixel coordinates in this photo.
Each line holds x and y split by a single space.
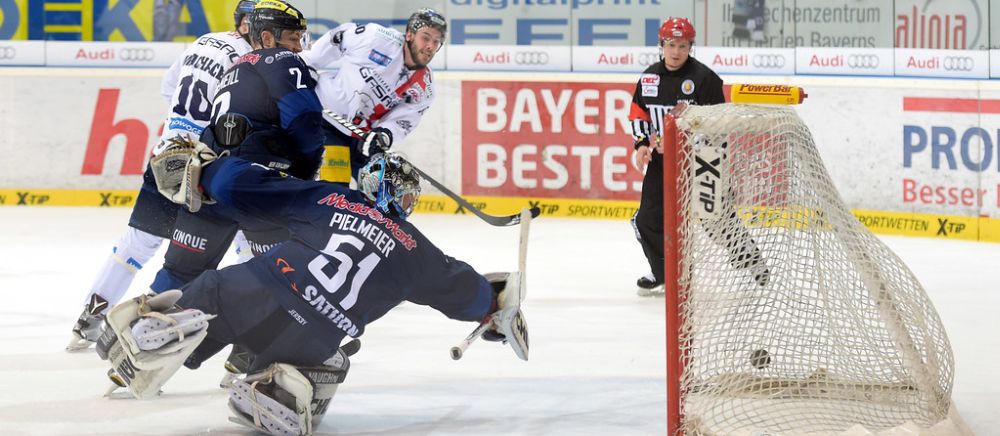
909 156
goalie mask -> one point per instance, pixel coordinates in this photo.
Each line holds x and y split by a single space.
390 183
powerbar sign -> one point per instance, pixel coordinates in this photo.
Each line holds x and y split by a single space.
548 139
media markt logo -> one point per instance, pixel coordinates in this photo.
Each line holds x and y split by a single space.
956 24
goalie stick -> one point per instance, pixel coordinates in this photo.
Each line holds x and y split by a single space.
522 262
499 221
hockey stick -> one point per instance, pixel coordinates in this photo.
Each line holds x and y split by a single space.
522 261
456 351
500 221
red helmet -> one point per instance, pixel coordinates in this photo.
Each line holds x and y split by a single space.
677 28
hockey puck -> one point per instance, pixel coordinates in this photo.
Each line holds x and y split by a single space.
760 359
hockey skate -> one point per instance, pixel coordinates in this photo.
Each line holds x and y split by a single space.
88 327
236 365
648 286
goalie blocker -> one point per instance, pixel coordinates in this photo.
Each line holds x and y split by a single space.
507 323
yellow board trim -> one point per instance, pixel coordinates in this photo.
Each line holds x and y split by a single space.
881 222
67 197
63 28
77 7
336 166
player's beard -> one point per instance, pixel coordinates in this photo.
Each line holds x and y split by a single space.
413 56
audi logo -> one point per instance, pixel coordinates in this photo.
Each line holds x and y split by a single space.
869 62
768 61
137 54
7 53
648 58
531 58
958 63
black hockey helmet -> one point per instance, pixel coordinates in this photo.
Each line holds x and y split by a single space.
390 183
274 16
427 17
243 8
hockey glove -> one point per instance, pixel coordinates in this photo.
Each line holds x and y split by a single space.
376 141
508 324
178 168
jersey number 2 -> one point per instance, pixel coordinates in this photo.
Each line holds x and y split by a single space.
332 284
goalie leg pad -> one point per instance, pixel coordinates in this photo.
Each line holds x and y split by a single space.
287 400
145 363
275 401
155 330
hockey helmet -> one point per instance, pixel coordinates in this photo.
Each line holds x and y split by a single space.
676 28
243 8
390 183
427 17
274 16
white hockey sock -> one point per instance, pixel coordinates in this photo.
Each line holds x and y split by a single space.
129 254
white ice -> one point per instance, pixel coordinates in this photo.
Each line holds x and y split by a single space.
597 350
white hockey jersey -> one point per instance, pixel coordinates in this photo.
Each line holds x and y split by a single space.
372 88
191 82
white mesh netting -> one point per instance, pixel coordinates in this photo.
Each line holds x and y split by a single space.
795 319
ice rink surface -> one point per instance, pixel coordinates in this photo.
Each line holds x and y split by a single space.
597 350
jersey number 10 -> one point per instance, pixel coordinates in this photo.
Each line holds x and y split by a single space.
193 94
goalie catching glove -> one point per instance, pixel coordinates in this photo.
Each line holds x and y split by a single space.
508 324
177 170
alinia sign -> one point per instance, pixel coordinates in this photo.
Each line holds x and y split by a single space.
955 24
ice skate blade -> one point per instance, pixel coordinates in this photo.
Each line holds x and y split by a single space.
650 292
78 344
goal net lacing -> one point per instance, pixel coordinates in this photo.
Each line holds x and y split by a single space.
795 318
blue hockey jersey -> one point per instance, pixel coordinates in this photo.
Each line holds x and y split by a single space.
275 90
346 264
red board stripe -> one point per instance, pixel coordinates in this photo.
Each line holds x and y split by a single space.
961 105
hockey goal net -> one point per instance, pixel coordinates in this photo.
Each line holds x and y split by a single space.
791 318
